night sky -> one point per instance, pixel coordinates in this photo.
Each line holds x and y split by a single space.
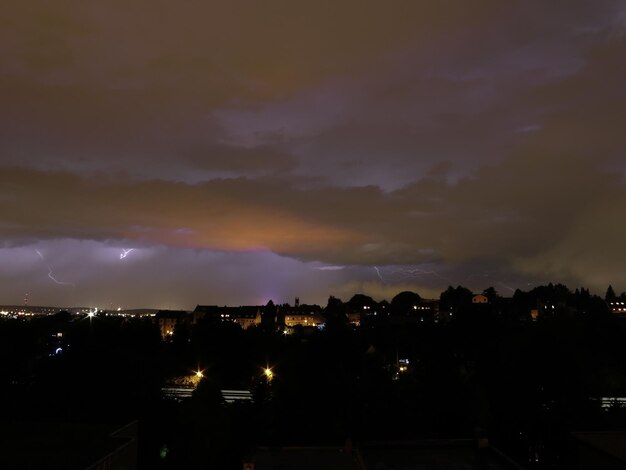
163 154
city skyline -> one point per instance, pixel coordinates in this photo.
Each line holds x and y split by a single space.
159 155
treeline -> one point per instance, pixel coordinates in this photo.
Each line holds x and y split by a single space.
541 301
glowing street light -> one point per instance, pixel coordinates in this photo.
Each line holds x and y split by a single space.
268 373
197 377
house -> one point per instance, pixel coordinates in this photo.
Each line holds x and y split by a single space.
305 315
617 307
168 320
480 299
245 316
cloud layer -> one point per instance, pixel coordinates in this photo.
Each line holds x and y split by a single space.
442 140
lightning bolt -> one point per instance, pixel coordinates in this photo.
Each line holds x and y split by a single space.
408 273
487 275
125 252
396 273
330 268
51 275
418 271
506 287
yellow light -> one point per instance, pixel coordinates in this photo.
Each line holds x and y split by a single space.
268 373
199 374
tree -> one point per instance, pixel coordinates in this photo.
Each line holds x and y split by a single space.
333 303
455 298
405 302
268 317
491 293
610 294
358 301
182 333
335 312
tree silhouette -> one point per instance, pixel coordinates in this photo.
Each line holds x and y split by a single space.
455 298
404 302
610 294
268 318
491 293
335 313
358 301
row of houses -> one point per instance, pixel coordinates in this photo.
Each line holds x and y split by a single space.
282 316
420 310
244 316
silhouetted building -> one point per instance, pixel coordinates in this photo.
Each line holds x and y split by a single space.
617 307
303 458
68 446
600 450
422 310
452 453
168 320
435 453
245 316
354 318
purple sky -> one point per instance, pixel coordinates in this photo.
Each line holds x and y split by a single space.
252 150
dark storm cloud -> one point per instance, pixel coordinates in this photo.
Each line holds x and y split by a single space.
345 92
511 212
238 159
458 138
125 82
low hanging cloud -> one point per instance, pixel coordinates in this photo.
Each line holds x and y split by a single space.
514 212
